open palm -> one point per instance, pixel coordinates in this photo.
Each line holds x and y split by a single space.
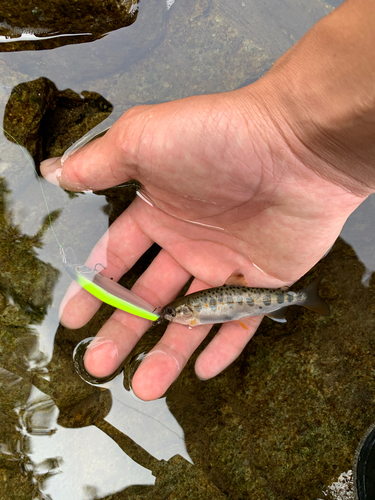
223 189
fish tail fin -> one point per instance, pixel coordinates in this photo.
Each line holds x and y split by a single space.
313 300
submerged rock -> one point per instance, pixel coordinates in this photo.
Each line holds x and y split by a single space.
44 27
46 121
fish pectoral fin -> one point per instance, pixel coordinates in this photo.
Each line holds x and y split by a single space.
236 279
278 315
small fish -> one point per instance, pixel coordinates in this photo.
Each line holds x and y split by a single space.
105 289
235 300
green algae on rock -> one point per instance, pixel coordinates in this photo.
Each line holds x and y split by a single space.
19 20
284 420
24 277
46 121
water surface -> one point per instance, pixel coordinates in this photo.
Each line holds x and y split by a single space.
284 420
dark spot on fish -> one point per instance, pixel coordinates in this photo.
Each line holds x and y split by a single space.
213 305
249 301
280 298
260 307
197 307
290 296
267 299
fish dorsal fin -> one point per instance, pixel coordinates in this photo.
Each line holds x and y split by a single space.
277 315
236 279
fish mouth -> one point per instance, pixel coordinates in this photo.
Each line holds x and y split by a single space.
168 317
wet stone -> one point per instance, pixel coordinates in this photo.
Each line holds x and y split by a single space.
90 20
47 121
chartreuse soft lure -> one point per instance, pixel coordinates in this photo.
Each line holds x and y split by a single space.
105 289
92 280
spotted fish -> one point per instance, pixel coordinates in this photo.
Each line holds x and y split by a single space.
235 300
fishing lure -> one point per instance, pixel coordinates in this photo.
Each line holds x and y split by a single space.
92 280
106 290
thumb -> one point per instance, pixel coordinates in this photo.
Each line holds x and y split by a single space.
100 164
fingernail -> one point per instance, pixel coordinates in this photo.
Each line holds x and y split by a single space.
201 379
51 170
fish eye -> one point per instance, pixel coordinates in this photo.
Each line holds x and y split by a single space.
77 269
171 311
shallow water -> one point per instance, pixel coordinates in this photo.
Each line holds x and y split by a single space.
284 420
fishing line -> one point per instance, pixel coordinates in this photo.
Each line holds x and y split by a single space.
40 183
66 154
92 280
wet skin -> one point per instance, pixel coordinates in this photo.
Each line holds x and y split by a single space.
227 160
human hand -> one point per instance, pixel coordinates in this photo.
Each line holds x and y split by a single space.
268 174
220 161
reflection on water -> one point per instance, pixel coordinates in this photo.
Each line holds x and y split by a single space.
81 474
30 415
150 424
59 460
360 234
286 417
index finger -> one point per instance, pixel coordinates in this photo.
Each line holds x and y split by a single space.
118 250
100 164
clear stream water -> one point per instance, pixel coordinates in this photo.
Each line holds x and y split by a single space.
172 50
